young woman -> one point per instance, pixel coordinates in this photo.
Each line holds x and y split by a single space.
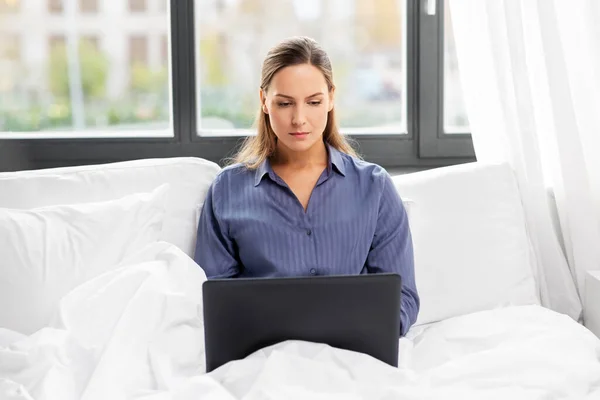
299 201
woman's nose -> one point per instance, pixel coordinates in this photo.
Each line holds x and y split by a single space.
298 119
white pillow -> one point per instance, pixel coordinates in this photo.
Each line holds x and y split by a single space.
189 179
46 252
408 205
472 250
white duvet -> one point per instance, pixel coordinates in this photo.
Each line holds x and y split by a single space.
137 333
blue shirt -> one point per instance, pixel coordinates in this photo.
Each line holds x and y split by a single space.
252 225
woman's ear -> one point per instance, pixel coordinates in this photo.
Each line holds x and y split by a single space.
331 98
263 101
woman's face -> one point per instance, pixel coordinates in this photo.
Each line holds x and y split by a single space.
297 101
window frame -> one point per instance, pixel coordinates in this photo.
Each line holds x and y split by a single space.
433 140
411 151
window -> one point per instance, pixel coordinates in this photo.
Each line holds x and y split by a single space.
92 41
55 6
56 43
164 50
455 114
137 5
10 64
443 123
163 6
365 39
10 48
138 51
185 82
73 78
88 6
141 73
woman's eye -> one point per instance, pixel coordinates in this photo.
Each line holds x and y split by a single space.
285 104
314 103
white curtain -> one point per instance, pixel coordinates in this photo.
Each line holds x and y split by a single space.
530 73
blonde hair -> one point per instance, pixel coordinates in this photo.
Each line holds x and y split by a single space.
293 51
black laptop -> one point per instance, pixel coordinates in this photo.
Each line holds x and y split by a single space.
355 312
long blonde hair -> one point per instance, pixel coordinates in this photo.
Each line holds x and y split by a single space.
292 51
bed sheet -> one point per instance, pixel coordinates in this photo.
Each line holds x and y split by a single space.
137 333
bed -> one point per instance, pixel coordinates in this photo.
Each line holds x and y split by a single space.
115 311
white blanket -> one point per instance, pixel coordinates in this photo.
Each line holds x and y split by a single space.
137 333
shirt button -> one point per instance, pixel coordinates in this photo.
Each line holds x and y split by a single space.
309 232
313 271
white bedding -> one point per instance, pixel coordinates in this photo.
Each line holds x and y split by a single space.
136 333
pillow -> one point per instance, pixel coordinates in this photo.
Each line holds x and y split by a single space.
46 252
408 205
188 177
471 245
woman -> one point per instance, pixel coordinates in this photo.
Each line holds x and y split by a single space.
298 201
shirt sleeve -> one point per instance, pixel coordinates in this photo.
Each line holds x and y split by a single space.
214 252
392 250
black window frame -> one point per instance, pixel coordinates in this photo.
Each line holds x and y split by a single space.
425 146
434 142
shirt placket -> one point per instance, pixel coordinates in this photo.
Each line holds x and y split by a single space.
310 237
309 224
306 218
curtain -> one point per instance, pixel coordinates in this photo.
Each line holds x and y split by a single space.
530 74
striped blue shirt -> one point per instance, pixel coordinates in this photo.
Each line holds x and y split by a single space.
252 225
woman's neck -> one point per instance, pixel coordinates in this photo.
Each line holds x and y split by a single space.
314 156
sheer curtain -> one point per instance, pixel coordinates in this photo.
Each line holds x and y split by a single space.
530 72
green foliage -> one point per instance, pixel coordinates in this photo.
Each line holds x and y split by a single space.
147 81
93 66
212 61
36 118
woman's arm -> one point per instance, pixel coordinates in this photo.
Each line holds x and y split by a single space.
214 249
392 250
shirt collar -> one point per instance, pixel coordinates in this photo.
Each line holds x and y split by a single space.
335 161
263 169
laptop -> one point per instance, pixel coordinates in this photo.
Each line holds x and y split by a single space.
355 312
